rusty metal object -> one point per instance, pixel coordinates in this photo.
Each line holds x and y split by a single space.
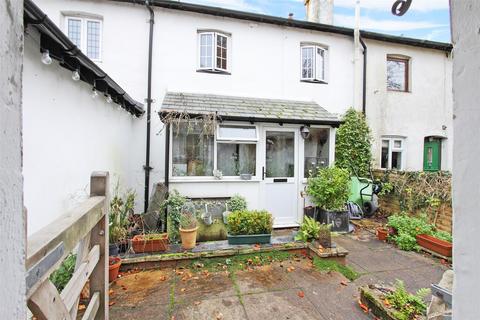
400 7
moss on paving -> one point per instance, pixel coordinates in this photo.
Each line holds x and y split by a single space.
239 262
332 265
171 303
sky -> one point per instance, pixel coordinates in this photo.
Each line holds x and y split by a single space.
426 19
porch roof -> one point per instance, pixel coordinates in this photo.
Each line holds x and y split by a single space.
248 109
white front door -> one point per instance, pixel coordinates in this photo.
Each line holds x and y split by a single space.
280 174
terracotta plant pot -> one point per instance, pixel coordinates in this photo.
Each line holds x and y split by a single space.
382 234
140 244
114 264
189 238
439 246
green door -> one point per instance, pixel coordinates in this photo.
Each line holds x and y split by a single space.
431 155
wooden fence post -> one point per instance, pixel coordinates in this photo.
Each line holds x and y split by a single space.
99 185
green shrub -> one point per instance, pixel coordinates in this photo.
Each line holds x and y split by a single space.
353 143
409 227
173 204
328 265
63 274
249 222
237 203
121 207
330 188
408 306
308 230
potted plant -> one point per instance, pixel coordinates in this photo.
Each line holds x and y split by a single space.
382 233
173 205
188 226
120 210
329 190
249 227
325 235
153 242
439 242
236 203
308 230
114 264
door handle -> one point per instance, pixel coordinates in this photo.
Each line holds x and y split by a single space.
263 173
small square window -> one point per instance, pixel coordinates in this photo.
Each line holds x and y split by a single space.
313 63
397 74
213 51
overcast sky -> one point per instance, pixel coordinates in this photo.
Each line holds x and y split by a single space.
426 19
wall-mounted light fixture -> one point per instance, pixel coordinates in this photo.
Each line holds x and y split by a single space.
305 132
46 59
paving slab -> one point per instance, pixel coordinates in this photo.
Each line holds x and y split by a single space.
221 308
264 278
279 305
191 287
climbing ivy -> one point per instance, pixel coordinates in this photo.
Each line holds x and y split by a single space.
354 143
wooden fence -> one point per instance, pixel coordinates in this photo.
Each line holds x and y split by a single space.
85 228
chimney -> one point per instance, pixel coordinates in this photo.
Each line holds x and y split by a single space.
319 11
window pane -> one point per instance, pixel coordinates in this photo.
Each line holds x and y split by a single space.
384 160
316 150
397 144
397 160
75 31
206 50
192 152
307 63
396 75
237 132
221 52
93 39
320 64
280 158
235 159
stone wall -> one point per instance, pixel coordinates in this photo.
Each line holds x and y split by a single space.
393 202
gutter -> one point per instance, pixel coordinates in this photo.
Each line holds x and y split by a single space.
147 167
364 89
261 18
220 118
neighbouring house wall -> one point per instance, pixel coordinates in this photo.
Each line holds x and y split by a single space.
466 191
12 225
67 135
416 114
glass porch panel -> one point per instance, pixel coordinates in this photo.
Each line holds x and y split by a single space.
234 159
280 155
316 151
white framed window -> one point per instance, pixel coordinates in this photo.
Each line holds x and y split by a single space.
86 34
398 73
393 153
213 51
314 63
237 149
233 150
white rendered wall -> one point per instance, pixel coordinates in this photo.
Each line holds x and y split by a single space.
466 189
12 219
421 112
66 136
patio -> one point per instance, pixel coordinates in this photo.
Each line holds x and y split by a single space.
284 289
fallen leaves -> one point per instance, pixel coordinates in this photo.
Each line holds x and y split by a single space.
344 283
290 269
111 303
183 290
363 306
196 303
301 294
81 307
256 247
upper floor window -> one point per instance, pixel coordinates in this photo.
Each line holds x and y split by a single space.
393 153
398 73
86 34
213 51
314 63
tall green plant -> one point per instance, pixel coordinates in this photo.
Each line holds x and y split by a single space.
173 204
353 143
121 207
329 188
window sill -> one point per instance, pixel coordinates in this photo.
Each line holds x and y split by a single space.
200 180
214 71
399 91
315 81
